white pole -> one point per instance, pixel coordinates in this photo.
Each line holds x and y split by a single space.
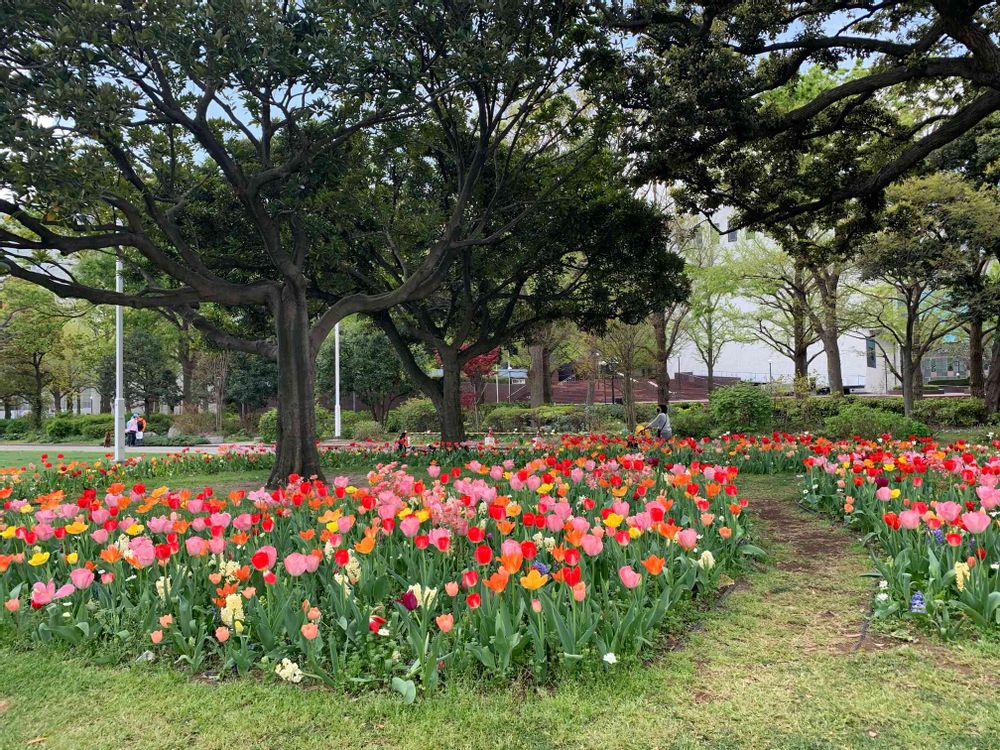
119 368
336 380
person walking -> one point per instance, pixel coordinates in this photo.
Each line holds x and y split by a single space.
660 426
140 429
130 429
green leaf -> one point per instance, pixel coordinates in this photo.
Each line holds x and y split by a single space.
752 550
406 688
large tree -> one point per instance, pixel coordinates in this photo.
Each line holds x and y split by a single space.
126 125
596 254
700 78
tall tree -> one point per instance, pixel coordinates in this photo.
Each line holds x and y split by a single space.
32 339
696 85
126 126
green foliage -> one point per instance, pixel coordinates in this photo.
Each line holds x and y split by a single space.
866 422
367 429
416 415
267 426
696 421
149 370
806 414
950 411
369 367
205 423
252 380
742 407
508 418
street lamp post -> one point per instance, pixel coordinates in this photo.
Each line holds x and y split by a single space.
336 380
119 367
770 372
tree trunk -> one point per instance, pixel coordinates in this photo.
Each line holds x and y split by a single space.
977 379
537 374
547 375
105 405
186 359
37 398
831 347
57 397
449 405
296 451
907 373
992 392
8 409
662 374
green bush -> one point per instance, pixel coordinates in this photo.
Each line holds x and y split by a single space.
267 427
692 421
367 429
805 414
866 422
204 423
158 422
742 407
59 428
951 411
177 440
509 418
15 428
416 415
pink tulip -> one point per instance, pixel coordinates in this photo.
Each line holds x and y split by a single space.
81 578
534 482
579 591
884 494
295 563
433 471
195 546
12 605
687 538
410 526
909 519
629 577
591 545
976 522
948 511
445 622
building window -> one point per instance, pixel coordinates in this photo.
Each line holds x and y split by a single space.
731 236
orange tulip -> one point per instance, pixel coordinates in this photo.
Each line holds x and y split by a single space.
111 555
534 580
654 565
498 581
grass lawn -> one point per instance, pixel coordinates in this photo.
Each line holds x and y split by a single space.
14 457
780 664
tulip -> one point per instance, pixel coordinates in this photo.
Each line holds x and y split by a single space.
451 588
629 578
81 578
909 519
948 511
12 605
687 538
156 637
222 634
976 522
445 622
309 631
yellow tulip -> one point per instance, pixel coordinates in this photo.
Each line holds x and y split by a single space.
534 580
39 558
72 557
613 520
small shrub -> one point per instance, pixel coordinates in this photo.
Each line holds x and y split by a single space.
693 421
509 418
950 411
416 415
267 427
742 407
367 429
15 428
59 428
866 422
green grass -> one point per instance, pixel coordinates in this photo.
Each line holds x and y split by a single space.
773 667
18 458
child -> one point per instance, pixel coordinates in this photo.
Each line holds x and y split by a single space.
403 442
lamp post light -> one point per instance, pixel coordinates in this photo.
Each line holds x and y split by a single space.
336 380
770 372
119 367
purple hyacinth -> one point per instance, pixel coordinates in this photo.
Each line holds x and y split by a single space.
540 567
939 536
917 603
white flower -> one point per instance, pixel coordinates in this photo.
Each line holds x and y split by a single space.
707 560
425 594
610 658
883 584
882 597
288 670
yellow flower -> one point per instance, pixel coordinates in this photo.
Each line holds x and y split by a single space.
544 489
534 580
8 532
39 558
26 508
423 514
634 533
613 520
962 572
134 530
77 527
72 557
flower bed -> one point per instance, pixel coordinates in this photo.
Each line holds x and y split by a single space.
932 514
482 569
